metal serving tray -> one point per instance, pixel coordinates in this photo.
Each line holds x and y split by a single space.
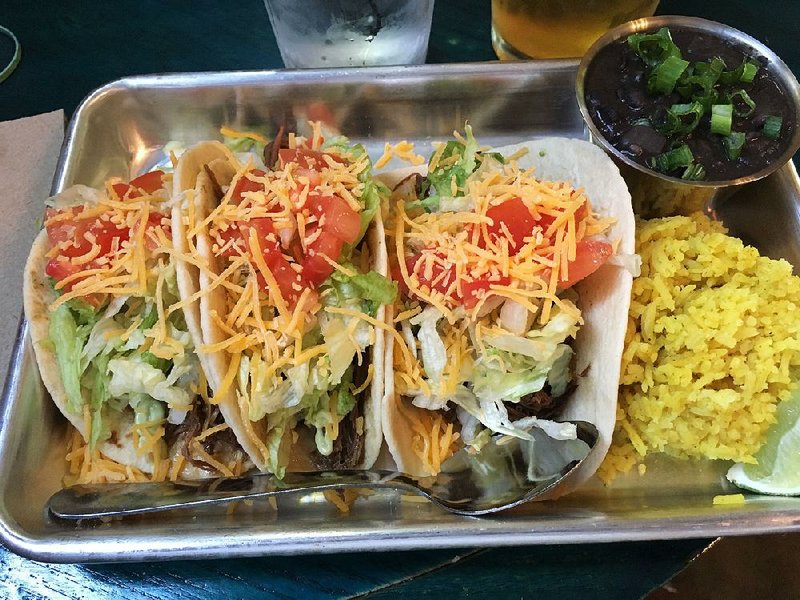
121 129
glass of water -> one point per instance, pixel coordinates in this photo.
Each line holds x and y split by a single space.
351 33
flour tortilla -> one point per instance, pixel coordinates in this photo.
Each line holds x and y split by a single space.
38 295
192 184
604 301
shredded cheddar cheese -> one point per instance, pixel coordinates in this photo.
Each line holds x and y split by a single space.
235 133
402 150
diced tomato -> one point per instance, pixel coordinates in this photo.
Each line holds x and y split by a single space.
336 217
319 111
336 224
473 291
590 255
75 230
517 219
149 182
315 268
245 184
306 158
233 232
270 247
156 220
436 282
124 190
545 220
105 233
71 229
59 269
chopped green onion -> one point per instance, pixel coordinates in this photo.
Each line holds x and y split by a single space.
744 73
772 127
681 118
654 48
721 118
710 70
665 75
749 70
671 159
694 172
746 99
699 80
733 144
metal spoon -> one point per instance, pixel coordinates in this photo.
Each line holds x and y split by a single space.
505 473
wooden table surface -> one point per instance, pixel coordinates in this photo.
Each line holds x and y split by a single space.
70 48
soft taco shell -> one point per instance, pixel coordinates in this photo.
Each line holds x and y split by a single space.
38 294
193 184
604 300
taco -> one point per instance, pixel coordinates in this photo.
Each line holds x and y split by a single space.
513 306
113 350
288 262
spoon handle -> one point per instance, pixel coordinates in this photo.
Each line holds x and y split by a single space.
95 501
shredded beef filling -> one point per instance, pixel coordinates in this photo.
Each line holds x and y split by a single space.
539 404
280 141
348 447
200 418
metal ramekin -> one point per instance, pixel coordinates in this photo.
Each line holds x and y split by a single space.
775 66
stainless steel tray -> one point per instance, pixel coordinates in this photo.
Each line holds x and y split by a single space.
121 129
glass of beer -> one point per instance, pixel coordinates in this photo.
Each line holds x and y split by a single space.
523 29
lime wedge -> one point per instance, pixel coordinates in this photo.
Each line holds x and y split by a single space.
778 469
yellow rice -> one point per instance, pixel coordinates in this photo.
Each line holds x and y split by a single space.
713 344
652 197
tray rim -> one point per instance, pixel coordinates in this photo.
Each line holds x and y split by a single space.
71 547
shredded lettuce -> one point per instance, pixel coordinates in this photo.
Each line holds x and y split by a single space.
458 204
345 400
99 397
69 331
283 395
278 424
438 183
538 344
146 410
507 379
132 375
76 195
371 289
150 318
440 178
432 349
343 345
104 337
162 364
244 145
491 413
548 454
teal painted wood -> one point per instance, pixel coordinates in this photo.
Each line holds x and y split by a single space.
600 571
589 572
327 576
